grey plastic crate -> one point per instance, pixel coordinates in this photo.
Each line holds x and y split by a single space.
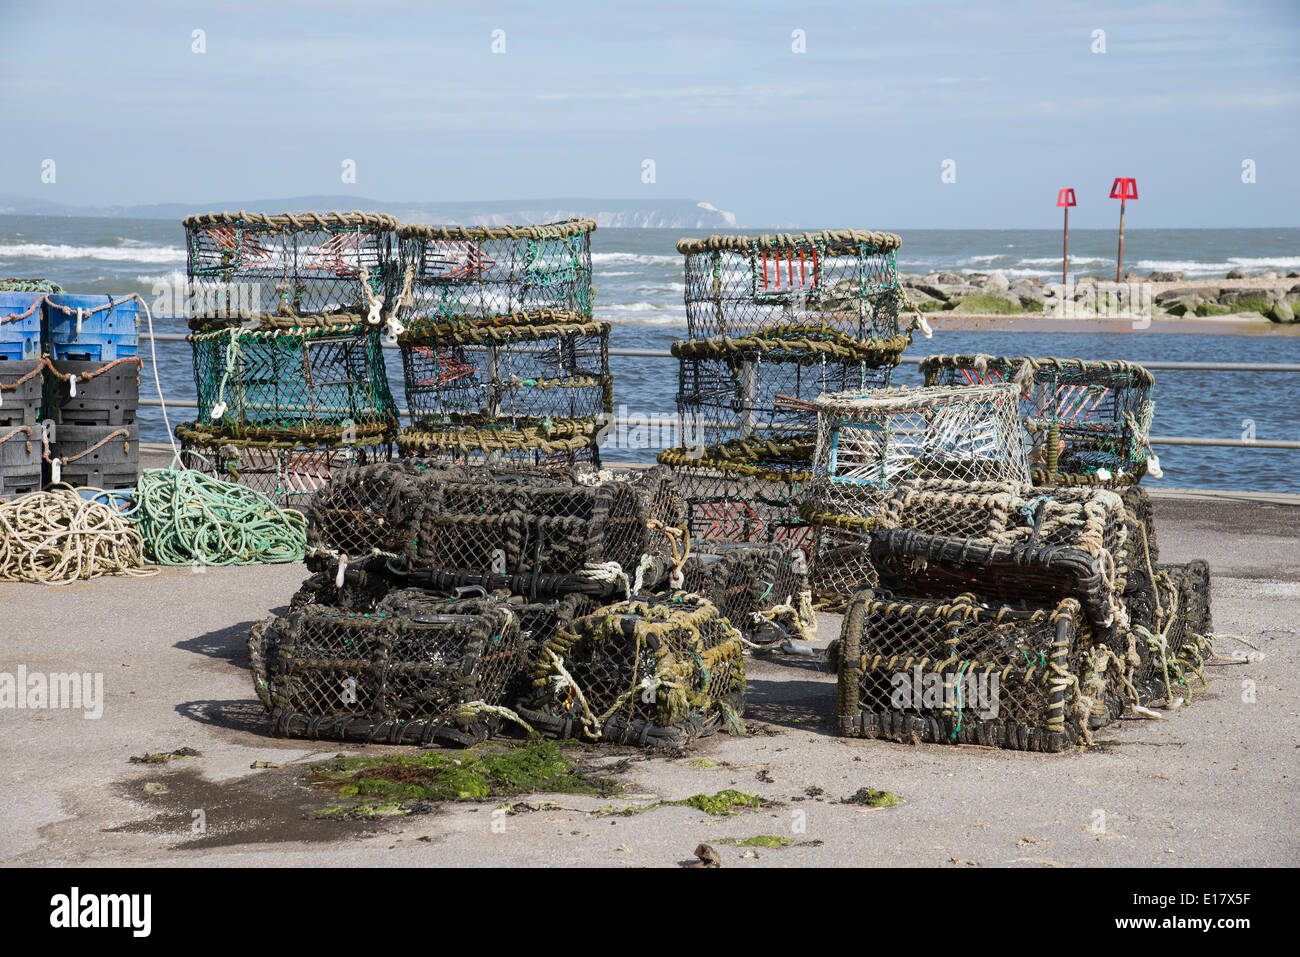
115 464
20 405
106 398
20 460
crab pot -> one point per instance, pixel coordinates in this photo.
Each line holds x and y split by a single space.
744 491
956 671
841 565
765 387
1089 422
1172 641
484 275
761 589
845 280
552 376
655 673
20 460
251 265
578 524
493 447
289 473
411 673
312 384
867 443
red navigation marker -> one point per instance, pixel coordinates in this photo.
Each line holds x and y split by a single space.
1123 189
1066 198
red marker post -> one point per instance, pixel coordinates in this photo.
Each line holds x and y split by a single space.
1066 198
1122 189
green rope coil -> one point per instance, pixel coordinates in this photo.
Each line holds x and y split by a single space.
188 518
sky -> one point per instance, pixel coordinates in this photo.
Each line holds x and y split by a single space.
1009 101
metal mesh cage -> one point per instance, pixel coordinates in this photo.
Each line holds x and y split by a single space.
248 265
484 274
867 443
315 384
959 671
415 672
766 385
1089 421
843 279
551 375
655 673
761 589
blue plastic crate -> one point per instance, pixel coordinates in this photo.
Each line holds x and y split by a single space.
20 338
107 328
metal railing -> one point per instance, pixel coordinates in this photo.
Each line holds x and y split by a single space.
1157 366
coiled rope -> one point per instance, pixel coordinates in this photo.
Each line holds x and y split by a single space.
188 518
57 536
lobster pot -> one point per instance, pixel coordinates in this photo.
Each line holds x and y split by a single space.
552 376
289 473
1089 422
411 675
957 671
1172 623
841 564
655 673
20 460
528 448
93 393
21 392
762 590
765 385
317 384
585 524
845 280
250 265
867 443
744 491
494 274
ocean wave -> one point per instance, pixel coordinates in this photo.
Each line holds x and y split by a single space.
641 259
123 253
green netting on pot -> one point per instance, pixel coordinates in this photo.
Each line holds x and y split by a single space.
764 384
655 673
408 673
744 490
1089 421
550 375
762 590
288 472
281 268
843 279
317 384
957 671
483 274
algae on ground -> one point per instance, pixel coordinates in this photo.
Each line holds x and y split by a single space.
758 840
372 787
870 797
725 802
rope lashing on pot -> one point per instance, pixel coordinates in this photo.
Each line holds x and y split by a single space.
57 536
188 518
679 541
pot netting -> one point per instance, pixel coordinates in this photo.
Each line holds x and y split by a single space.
1171 633
246 265
841 565
289 473
654 673
844 279
411 673
869 443
765 384
744 490
551 375
957 671
524 448
479 275
762 590
1089 421
317 384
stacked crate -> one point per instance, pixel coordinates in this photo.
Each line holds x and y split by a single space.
501 357
772 322
286 314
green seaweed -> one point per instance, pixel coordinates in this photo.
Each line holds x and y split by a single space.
870 797
721 804
758 840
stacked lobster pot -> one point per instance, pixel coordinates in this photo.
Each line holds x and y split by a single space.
1089 422
988 610
286 314
501 357
448 603
774 321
